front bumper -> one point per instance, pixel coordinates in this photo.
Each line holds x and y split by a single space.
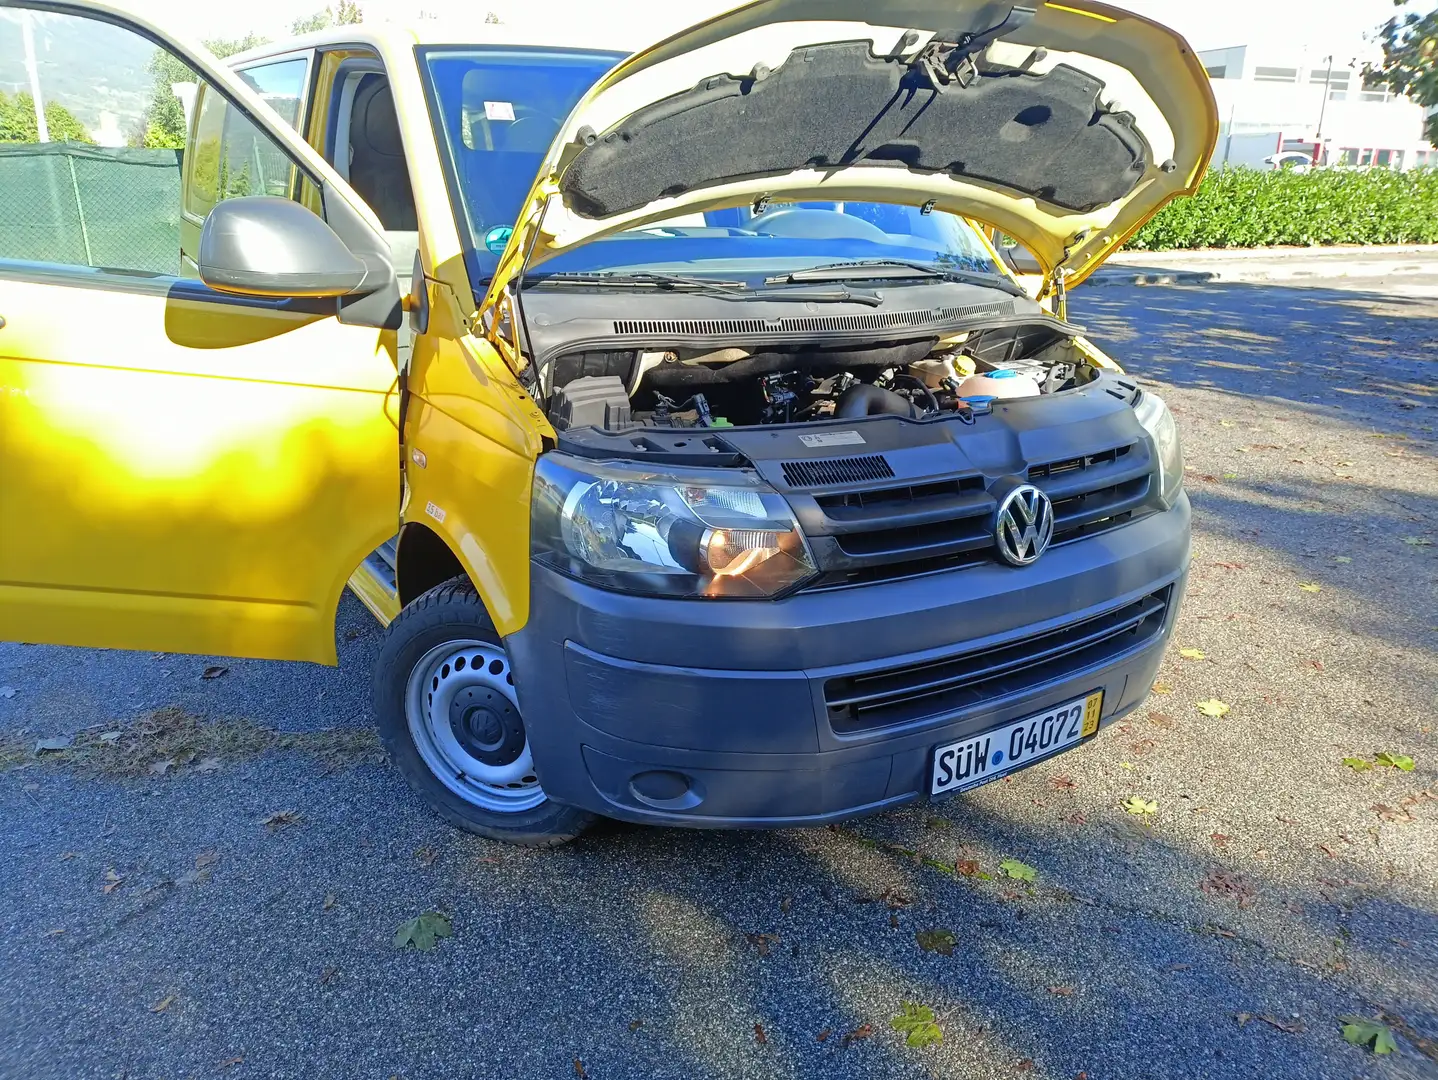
720 713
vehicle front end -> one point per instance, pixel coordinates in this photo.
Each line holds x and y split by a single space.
832 515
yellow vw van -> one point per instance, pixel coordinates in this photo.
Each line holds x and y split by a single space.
704 458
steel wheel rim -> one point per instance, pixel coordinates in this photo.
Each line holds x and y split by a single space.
460 703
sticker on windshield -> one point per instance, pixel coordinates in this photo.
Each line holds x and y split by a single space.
497 239
499 110
832 438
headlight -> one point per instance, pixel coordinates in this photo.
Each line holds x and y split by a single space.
699 534
1153 414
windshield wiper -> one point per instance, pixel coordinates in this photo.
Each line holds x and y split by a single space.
896 269
717 287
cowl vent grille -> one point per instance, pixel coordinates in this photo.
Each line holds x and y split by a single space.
850 470
889 320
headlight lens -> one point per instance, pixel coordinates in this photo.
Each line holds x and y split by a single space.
703 534
1153 414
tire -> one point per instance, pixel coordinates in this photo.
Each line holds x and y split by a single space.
468 758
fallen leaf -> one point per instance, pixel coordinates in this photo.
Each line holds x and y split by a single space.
863 1031
1342 559
112 881
763 943
215 671
1160 687
785 904
1076 819
1061 991
1161 720
427 855
1228 885
160 768
823 1035
635 1025
1191 654
1178 967
1219 839
1226 423
1291 1027
1127 765
110 736
423 932
1242 1018
1230 565
759 1036
53 743
7 691
1213 707
280 819
1391 813
936 941
331 901
1316 665
231 1061
1018 870
579 1070
1417 541
1396 761
163 1004
1062 783
1137 804
1309 586
1024 1065
207 764
967 867
1357 764
916 1023
329 974
1361 1031
1230 476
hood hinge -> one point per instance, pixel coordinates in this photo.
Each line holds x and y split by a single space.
948 58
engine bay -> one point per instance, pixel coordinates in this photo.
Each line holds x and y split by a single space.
955 375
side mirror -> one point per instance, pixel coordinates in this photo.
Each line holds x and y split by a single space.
262 245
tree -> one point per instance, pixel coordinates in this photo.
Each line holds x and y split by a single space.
163 125
1410 61
344 13
17 122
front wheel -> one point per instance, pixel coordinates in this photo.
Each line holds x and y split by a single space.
449 717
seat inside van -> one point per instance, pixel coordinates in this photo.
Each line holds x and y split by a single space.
369 153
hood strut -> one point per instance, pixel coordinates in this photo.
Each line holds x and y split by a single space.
948 58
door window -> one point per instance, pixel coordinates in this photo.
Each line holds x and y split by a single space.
93 149
282 85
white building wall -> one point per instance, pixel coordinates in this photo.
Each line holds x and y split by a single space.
1353 125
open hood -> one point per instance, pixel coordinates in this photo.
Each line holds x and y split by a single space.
1066 126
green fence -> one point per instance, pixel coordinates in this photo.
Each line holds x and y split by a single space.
90 205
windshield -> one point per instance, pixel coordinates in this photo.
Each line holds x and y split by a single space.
498 109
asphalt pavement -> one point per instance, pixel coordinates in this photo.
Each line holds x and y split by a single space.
232 912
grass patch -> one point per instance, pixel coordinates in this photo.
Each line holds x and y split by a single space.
170 740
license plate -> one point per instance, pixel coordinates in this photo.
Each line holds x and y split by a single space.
986 757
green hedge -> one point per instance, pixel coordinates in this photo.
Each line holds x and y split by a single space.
1253 208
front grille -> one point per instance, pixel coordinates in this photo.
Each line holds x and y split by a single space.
824 472
1096 491
901 695
910 521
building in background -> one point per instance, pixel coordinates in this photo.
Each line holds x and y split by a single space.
1270 102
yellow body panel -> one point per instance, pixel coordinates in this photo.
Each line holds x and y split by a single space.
473 437
189 476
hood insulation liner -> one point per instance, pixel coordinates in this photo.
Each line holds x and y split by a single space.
836 105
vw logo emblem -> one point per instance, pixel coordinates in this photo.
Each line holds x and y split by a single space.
1025 525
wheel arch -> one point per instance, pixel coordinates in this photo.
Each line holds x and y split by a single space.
424 559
